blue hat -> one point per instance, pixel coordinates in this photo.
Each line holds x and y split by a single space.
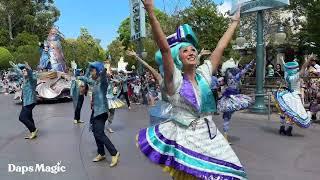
77 72
184 33
99 66
21 66
291 67
183 37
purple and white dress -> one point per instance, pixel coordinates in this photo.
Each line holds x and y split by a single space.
231 99
188 145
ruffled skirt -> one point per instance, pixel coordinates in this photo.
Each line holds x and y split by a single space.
234 103
115 103
290 105
191 152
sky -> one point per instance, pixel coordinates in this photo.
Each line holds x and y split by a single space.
102 17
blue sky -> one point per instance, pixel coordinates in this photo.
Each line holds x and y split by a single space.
101 17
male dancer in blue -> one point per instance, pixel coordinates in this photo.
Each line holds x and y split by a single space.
29 97
99 105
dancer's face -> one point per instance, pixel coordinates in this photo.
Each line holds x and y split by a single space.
24 72
83 89
188 56
94 74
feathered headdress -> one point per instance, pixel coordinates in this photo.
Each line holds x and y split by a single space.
231 63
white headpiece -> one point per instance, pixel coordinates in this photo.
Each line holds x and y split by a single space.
231 63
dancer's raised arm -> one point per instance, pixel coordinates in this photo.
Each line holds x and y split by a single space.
305 65
224 41
161 40
151 69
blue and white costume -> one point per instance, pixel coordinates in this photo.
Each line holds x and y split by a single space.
188 144
231 100
289 101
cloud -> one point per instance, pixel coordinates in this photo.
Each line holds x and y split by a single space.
225 7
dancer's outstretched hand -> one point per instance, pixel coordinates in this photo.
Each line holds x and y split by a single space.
236 16
73 65
27 65
131 53
148 5
204 52
12 64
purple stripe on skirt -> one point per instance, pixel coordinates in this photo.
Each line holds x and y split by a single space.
195 154
166 160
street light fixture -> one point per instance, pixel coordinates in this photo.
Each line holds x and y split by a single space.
280 36
144 54
241 40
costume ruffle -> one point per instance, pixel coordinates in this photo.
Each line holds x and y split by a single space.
234 103
290 104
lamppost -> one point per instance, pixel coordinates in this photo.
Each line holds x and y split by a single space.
144 54
259 104
241 40
280 37
138 27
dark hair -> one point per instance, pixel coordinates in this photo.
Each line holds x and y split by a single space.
233 71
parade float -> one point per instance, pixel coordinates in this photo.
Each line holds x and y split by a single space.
53 81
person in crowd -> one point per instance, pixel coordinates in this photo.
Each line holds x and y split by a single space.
278 72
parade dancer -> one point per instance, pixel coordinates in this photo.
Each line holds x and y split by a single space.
124 87
113 101
99 105
56 56
289 101
29 97
188 145
44 59
78 90
162 108
231 100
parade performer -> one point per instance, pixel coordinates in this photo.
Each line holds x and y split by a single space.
289 101
123 78
78 90
29 97
44 59
231 100
162 108
99 105
113 101
52 57
189 145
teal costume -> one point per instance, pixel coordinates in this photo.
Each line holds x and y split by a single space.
100 108
29 97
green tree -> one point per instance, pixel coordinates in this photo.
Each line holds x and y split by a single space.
33 16
5 57
25 38
83 49
208 24
309 34
4 40
28 53
115 50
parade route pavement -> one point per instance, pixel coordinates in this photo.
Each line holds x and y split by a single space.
264 154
